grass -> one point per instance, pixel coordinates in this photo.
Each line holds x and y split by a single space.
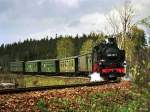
47 80
42 81
31 81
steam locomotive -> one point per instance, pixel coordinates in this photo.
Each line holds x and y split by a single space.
109 60
106 59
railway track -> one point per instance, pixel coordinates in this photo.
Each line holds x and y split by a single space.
29 89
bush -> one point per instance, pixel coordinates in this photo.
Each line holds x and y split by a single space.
42 106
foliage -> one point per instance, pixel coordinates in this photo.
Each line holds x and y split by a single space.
65 47
141 68
146 22
114 101
133 42
93 40
141 61
42 106
87 47
138 37
137 56
97 37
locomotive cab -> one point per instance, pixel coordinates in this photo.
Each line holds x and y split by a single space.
108 59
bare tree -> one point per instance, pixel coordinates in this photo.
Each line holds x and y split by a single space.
126 14
113 22
122 23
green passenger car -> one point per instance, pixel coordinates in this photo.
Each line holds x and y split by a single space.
32 66
69 65
17 66
85 63
49 66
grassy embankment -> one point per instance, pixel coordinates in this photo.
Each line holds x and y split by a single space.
46 80
30 81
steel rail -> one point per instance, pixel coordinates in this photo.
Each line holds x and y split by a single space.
41 88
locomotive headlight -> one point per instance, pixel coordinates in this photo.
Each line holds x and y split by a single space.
124 64
102 60
111 54
108 54
114 54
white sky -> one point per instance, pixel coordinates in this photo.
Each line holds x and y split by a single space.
21 19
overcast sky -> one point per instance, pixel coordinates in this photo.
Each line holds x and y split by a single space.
21 19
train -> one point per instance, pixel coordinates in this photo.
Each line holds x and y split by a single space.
106 58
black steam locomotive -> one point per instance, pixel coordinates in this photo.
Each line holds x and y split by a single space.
108 59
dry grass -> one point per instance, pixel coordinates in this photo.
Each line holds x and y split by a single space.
29 81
